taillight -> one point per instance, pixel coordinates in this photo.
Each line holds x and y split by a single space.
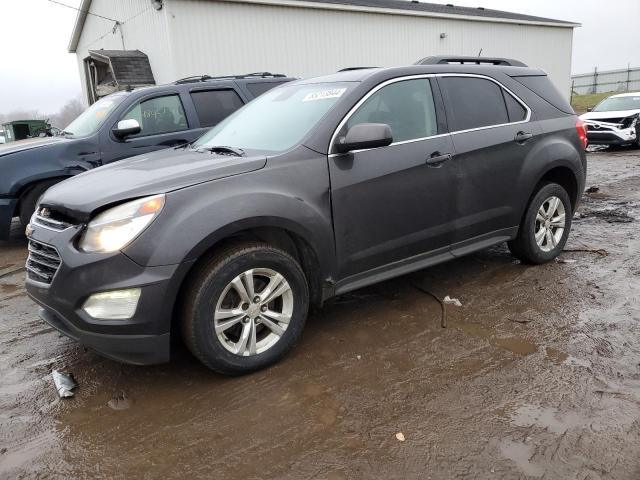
581 128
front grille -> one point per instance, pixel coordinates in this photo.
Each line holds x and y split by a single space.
43 217
43 262
598 128
609 120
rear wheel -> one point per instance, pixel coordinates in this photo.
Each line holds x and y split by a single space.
245 308
545 227
29 200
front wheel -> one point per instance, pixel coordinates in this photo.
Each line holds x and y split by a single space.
545 227
245 308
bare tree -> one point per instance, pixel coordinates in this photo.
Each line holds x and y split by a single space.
67 113
60 119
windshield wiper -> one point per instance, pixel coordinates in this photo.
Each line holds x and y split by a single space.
224 150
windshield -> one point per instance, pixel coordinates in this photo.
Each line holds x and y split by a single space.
277 120
612 104
89 121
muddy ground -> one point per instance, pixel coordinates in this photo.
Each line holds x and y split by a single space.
536 376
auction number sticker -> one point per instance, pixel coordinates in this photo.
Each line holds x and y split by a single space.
323 94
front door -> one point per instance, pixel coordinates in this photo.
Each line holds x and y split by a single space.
395 202
164 124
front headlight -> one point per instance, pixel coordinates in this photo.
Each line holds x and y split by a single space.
113 229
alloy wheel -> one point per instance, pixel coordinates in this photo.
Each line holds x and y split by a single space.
550 223
253 311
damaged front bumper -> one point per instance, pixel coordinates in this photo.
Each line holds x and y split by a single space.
605 133
143 338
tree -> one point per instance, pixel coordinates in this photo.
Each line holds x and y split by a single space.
60 119
67 113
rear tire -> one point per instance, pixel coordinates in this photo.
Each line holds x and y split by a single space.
245 308
545 227
29 200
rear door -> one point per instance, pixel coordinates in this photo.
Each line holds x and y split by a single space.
492 136
390 203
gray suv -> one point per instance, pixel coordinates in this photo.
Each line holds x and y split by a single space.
316 188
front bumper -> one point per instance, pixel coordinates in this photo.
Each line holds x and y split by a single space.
7 209
609 135
142 339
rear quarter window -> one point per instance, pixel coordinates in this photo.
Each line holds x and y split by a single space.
542 86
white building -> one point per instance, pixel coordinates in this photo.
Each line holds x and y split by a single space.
304 38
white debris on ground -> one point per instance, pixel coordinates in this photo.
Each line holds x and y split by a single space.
64 383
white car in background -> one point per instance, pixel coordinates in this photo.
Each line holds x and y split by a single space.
615 121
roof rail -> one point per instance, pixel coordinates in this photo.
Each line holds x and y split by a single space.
205 78
348 69
448 60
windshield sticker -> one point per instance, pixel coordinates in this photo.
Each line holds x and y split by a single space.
324 94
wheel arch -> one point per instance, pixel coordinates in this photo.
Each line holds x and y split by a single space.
33 182
280 233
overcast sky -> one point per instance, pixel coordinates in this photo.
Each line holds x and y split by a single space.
37 72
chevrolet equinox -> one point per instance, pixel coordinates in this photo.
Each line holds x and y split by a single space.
316 188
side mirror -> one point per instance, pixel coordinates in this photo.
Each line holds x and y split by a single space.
126 127
365 135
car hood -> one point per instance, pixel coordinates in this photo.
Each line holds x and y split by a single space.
157 172
28 144
605 115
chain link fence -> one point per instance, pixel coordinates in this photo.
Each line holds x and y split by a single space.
623 80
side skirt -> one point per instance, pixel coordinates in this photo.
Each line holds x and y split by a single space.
421 261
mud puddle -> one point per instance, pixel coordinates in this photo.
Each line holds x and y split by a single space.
536 376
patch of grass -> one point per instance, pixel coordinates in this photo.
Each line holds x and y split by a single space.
581 103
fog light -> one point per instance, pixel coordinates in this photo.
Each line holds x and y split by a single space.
114 305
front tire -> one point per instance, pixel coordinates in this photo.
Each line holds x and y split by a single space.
245 308
545 227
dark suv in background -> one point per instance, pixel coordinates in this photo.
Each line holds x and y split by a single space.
316 188
118 126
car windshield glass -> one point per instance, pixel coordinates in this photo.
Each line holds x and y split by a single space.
89 121
277 120
613 104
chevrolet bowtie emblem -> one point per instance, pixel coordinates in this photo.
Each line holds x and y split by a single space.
45 212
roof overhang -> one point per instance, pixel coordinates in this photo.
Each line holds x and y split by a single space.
412 13
86 5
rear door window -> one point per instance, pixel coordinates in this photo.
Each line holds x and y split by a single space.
258 89
517 113
473 103
158 115
212 106
406 106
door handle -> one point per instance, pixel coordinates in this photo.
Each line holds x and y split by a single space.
522 137
436 159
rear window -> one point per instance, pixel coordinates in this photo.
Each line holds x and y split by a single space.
258 88
542 86
473 103
212 106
